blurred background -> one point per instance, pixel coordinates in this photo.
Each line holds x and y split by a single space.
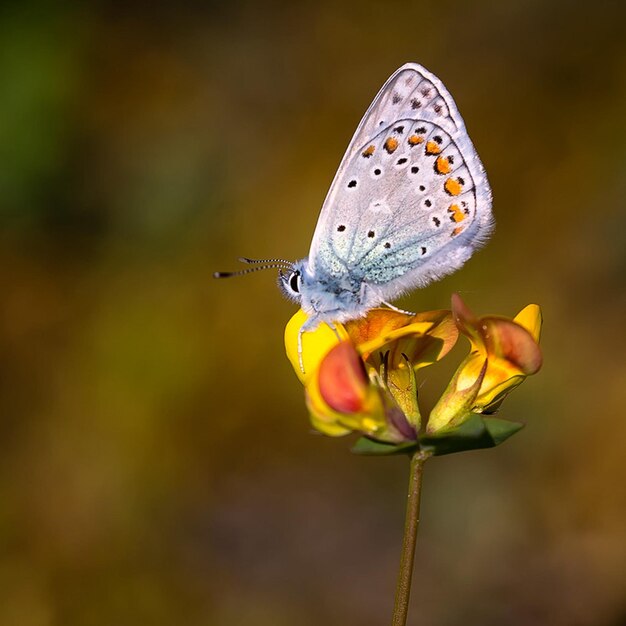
156 461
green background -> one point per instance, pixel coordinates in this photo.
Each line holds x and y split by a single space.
156 462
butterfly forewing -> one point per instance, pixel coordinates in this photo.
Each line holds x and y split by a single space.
412 93
410 201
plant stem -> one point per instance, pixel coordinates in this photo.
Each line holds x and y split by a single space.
411 524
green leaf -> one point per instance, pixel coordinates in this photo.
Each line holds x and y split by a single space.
367 446
475 433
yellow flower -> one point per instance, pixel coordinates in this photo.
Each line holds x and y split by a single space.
361 377
503 353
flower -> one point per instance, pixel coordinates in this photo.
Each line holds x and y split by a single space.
503 353
361 376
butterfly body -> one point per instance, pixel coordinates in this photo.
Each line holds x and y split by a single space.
409 204
333 297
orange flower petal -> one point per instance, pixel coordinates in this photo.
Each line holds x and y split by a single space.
342 379
501 338
508 341
424 338
465 320
443 327
378 323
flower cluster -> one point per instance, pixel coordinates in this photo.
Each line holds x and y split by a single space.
361 377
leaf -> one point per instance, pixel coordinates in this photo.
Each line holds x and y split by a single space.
475 433
367 446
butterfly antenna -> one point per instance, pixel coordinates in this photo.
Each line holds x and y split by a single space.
245 259
256 268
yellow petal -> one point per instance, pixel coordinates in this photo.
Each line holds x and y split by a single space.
315 344
531 319
469 370
512 356
490 399
325 422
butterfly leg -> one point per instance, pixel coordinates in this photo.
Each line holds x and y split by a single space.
300 332
395 308
333 327
310 324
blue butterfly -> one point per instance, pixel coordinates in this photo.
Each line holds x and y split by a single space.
409 204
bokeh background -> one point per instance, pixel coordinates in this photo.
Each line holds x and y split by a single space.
156 462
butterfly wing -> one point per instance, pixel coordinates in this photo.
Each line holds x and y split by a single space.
410 201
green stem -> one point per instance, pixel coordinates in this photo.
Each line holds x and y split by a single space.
411 524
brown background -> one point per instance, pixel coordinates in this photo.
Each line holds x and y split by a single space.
156 462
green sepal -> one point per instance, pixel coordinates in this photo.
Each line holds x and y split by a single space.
370 447
403 387
475 433
454 406
500 430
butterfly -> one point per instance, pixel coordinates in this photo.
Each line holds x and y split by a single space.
409 204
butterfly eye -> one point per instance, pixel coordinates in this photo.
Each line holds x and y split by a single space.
294 282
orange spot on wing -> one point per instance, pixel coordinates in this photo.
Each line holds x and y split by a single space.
367 153
432 148
456 231
442 165
391 144
415 139
456 214
453 187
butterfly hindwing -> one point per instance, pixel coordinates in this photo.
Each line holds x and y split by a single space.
410 201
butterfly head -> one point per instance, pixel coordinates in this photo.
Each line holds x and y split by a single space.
324 296
290 280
